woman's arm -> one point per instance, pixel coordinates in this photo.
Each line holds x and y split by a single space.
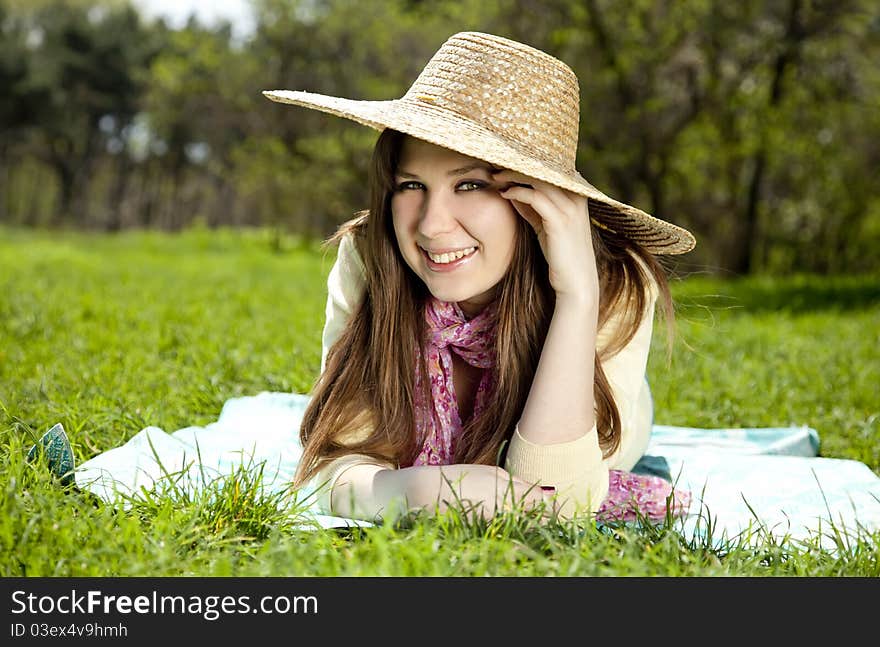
560 404
559 412
578 466
366 491
556 441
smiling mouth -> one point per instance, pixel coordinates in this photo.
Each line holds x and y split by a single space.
449 257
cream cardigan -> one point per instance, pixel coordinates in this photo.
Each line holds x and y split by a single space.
576 468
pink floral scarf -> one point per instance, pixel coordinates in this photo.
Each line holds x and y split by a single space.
449 331
439 425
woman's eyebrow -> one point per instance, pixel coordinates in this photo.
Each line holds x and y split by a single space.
458 171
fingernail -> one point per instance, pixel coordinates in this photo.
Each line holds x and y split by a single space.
548 488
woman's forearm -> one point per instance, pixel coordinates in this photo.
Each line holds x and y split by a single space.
366 491
560 405
369 491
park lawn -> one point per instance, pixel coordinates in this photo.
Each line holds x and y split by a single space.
110 334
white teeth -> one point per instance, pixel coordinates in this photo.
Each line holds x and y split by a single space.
449 257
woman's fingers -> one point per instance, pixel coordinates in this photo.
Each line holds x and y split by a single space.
511 492
492 489
536 199
561 223
545 207
558 197
526 211
525 494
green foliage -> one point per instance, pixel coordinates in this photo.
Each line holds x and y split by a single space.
76 79
752 123
110 334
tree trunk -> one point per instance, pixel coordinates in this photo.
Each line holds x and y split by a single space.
5 202
66 195
116 195
743 253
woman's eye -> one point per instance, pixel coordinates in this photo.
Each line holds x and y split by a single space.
466 186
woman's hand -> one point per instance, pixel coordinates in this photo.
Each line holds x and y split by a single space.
561 221
484 488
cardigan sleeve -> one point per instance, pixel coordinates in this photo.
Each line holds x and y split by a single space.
575 468
330 470
345 288
328 474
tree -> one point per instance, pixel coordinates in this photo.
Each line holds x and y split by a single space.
83 66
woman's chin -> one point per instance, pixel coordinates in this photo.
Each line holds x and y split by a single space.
468 301
446 295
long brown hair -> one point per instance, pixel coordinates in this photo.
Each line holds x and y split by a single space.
368 379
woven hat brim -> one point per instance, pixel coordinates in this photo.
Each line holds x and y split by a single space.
444 128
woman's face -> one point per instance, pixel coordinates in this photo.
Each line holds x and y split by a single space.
443 206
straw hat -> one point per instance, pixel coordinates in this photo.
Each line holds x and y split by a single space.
508 104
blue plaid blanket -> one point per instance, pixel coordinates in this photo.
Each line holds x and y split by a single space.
744 482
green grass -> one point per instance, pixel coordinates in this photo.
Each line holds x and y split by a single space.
109 334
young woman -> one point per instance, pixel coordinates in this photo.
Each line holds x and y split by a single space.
489 316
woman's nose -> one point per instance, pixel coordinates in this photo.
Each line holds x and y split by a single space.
438 216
